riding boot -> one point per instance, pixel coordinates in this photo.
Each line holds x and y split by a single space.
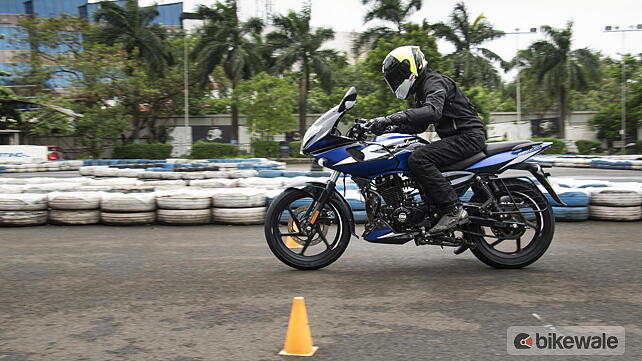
450 218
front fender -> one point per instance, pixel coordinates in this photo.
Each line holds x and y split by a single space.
314 188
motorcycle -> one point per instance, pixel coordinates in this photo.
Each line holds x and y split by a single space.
511 224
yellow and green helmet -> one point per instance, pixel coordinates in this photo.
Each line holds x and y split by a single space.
402 67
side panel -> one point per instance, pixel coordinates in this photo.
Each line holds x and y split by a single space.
497 163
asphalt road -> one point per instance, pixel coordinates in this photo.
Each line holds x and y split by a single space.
217 293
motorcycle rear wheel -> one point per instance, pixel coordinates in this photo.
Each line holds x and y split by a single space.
283 223
541 223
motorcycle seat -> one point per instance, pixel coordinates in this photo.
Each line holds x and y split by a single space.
498 147
463 164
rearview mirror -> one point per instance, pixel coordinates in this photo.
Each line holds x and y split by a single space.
348 100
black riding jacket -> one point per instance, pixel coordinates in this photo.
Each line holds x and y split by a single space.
439 101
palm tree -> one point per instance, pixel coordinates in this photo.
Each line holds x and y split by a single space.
295 44
228 42
472 63
395 12
131 26
558 68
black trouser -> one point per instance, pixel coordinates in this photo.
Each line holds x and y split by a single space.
424 164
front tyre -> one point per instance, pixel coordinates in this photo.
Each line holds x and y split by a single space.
522 203
290 241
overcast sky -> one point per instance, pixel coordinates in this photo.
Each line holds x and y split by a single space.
589 16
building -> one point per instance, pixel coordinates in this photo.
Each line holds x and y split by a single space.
11 11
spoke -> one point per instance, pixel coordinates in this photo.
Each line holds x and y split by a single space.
296 220
497 242
519 244
292 234
533 225
305 246
322 237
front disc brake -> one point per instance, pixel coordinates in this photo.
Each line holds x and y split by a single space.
302 240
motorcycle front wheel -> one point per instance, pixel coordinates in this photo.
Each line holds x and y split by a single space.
293 243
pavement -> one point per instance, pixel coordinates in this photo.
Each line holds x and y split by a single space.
217 293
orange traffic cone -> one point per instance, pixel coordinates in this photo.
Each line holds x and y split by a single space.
298 341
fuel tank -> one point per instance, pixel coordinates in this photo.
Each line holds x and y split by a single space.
387 153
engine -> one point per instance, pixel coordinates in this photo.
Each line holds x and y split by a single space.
400 209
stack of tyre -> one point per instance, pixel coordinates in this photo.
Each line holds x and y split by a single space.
128 208
616 204
239 206
23 209
74 208
184 207
576 206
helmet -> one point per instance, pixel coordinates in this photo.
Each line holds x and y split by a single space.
401 67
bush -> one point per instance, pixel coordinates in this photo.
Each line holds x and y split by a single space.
207 150
587 146
638 146
142 151
558 146
266 149
295 149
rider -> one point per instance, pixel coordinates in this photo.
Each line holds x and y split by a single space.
441 102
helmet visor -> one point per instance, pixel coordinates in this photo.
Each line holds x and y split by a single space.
396 72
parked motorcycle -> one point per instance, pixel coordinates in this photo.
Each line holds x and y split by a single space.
511 223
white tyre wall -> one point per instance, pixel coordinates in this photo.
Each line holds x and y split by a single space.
184 216
265 183
74 200
51 187
57 216
23 218
11 188
254 215
134 218
184 200
240 198
247 173
615 213
23 202
132 202
214 183
163 183
215 174
617 198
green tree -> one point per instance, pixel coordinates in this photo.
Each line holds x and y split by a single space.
267 101
472 64
296 45
131 26
228 42
558 68
394 15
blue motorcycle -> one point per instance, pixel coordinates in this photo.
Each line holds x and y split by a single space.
511 223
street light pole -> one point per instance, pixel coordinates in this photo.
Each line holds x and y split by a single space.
616 29
518 82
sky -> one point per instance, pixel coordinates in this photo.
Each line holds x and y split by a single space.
589 17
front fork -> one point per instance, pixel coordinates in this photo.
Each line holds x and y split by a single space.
313 215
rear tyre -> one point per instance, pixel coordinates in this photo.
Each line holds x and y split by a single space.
317 249
530 241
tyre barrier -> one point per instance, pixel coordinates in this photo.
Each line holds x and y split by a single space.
77 217
617 198
184 216
123 202
184 200
23 202
609 213
129 219
250 215
570 198
214 183
571 213
239 198
74 200
23 218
